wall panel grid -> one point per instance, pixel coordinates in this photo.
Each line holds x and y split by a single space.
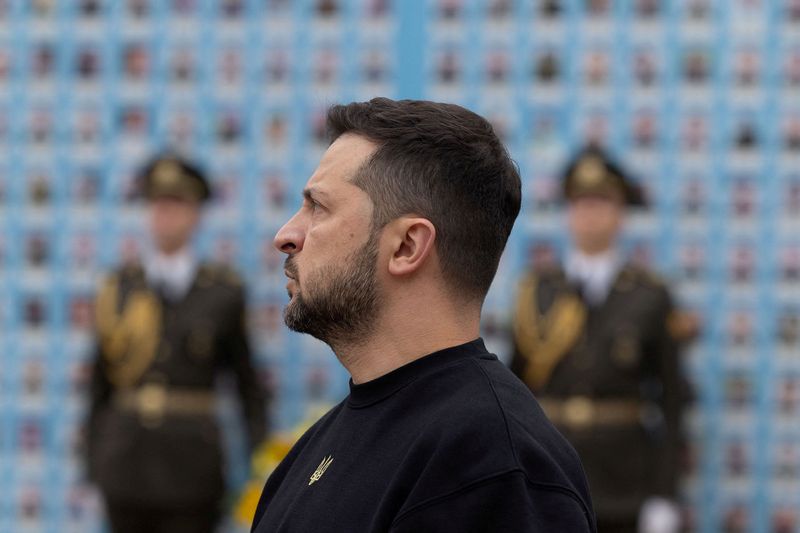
700 98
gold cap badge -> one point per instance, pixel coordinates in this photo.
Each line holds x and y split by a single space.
590 172
167 173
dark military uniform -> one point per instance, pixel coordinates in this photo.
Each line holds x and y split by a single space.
153 439
608 375
154 447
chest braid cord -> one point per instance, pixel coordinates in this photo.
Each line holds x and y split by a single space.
129 338
544 340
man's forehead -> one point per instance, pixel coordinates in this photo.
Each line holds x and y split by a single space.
342 160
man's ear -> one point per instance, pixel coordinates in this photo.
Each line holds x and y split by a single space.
412 241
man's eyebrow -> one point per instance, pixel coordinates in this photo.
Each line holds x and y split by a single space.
310 193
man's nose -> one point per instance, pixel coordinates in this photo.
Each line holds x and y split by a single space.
290 237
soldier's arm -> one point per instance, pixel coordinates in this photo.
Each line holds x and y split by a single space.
674 394
100 387
239 355
99 397
518 361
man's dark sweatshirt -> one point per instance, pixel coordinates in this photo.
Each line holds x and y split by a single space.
450 442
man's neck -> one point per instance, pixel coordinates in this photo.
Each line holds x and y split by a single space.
606 254
593 251
416 331
171 251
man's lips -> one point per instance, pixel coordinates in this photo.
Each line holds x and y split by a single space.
291 285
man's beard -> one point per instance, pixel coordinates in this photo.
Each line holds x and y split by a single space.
340 302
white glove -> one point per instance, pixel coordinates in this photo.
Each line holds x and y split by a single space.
659 515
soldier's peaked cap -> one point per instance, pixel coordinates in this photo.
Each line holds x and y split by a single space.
171 175
592 172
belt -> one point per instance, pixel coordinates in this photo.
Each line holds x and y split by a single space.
153 401
580 412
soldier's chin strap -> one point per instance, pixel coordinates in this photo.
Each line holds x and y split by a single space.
545 339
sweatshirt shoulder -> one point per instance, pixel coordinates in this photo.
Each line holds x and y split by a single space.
487 402
489 423
539 449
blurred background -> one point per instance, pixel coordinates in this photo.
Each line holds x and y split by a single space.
700 99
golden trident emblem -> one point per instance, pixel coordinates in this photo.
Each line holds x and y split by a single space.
323 466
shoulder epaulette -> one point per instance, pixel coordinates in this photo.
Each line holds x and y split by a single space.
131 268
645 277
131 272
683 325
549 271
220 273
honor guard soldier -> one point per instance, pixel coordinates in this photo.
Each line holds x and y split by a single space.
165 329
597 340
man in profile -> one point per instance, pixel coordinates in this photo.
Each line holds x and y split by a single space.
389 259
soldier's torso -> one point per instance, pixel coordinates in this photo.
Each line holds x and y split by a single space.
191 330
612 354
600 384
158 440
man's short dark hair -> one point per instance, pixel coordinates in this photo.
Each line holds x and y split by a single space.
446 164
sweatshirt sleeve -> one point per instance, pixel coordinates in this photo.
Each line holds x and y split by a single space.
506 503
